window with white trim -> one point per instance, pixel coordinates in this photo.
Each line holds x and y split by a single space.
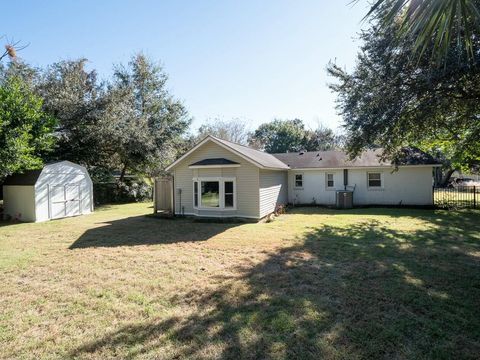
374 180
214 193
298 181
195 193
228 194
330 180
210 194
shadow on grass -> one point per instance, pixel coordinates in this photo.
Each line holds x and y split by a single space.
366 291
148 230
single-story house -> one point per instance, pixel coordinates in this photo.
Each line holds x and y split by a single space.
60 189
219 178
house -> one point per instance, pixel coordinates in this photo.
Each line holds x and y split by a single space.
59 189
218 178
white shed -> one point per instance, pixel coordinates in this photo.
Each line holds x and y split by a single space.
60 189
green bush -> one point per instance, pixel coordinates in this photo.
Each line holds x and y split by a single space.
125 192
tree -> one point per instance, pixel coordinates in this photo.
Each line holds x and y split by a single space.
322 139
74 96
149 121
443 23
25 130
234 130
279 136
391 102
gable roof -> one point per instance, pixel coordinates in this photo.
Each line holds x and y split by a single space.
256 157
339 159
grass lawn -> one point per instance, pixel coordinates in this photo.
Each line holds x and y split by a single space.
315 283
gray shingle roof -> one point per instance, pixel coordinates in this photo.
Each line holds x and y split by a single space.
214 161
313 159
260 157
339 159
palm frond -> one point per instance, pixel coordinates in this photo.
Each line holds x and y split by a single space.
433 22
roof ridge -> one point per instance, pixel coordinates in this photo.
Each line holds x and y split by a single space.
235 143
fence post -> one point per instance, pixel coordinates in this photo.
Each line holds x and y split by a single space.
474 197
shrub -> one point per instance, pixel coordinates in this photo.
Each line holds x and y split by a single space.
126 192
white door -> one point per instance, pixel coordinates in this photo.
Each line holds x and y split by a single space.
57 201
72 197
64 200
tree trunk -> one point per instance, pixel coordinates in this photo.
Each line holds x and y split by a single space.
122 174
447 177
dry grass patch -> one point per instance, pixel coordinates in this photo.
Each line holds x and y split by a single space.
369 283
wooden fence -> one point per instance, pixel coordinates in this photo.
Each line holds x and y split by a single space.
458 197
163 196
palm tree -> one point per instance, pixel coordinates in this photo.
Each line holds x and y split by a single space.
440 23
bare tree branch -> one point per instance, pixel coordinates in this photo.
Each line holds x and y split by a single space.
11 48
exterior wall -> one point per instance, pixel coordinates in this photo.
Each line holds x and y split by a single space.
19 200
41 191
407 186
62 174
273 190
247 183
314 190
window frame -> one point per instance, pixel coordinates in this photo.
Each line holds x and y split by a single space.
295 181
326 181
381 187
221 183
195 194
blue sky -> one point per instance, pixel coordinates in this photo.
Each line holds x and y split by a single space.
254 60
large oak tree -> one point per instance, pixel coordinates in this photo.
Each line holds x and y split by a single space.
393 99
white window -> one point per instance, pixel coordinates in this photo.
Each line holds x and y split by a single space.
330 181
210 194
374 180
214 193
298 181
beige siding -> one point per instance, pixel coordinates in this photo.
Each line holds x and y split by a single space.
19 202
247 182
273 190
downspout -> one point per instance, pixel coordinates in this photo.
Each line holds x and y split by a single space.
345 178
174 204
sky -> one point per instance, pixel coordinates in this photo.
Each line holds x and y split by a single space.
252 60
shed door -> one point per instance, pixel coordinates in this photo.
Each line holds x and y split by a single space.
64 200
72 197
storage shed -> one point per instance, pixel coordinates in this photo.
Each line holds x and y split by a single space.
60 189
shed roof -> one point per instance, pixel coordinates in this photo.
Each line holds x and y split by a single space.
27 178
214 161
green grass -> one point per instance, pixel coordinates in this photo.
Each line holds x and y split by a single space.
315 283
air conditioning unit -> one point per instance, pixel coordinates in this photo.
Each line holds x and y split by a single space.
344 199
